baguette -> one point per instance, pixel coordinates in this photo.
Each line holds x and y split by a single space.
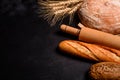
90 51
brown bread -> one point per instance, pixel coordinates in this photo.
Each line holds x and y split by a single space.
105 71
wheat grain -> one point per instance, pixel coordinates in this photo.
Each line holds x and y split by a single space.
54 11
61 3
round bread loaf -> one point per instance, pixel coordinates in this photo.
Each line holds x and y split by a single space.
105 71
103 15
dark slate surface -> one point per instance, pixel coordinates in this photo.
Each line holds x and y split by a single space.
29 46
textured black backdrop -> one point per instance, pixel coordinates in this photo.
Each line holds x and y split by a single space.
29 46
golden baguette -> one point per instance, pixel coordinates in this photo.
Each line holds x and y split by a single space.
90 51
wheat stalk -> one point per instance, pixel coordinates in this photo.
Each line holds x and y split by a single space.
54 11
58 3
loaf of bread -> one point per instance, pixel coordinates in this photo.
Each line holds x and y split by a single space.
90 51
101 14
105 71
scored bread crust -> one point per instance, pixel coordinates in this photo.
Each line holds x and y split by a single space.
90 51
105 71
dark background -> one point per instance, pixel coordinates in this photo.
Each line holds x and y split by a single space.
30 46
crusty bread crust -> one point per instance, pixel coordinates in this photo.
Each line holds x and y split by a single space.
90 51
103 15
105 71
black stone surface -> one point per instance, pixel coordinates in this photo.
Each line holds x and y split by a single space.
30 46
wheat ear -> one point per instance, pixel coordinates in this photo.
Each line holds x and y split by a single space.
53 11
